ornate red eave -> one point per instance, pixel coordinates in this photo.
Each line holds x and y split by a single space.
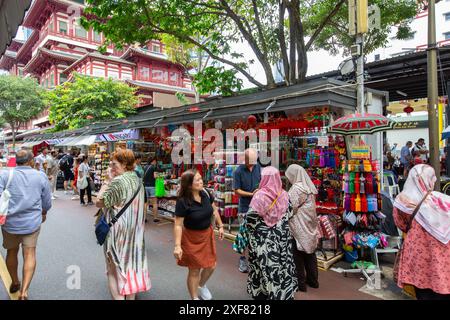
6 62
25 52
94 55
40 11
44 56
159 87
130 53
15 45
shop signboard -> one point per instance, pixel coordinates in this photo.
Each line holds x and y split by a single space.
411 124
129 134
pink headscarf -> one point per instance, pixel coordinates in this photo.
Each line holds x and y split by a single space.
434 214
271 201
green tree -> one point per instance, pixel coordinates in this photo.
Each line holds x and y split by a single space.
275 30
85 100
20 101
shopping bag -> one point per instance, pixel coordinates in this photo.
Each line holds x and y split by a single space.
160 191
82 183
4 199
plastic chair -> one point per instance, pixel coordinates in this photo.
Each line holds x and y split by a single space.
394 245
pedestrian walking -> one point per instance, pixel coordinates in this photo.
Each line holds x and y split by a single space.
149 183
245 184
66 166
139 170
422 149
304 226
406 157
41 160
424 215
195 246
124 247
28 206
76 166
52 171
84 179
272 273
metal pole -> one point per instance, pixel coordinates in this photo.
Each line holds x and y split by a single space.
360 74
433 119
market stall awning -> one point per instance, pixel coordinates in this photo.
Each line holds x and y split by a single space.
31 144
11 16
84 141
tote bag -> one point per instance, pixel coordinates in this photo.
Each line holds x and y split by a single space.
4 199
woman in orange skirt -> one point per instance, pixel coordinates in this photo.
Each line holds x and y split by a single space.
195 246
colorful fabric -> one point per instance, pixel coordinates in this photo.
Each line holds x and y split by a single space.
424 261
272 273
271 201
434 214
125 242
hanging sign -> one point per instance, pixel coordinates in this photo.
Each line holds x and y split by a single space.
323 142
360 152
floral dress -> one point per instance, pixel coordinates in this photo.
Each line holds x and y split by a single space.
125 241
272 273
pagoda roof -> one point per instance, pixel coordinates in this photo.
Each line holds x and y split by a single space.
40 10
159 87
96 55
7 61
25 52
44 56
140 52
15 45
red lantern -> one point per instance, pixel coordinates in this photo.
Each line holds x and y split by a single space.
408 110
251 119
89 117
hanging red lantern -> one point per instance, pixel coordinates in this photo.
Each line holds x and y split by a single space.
408 109
252 119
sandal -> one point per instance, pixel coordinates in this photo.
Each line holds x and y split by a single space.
23 298
14 288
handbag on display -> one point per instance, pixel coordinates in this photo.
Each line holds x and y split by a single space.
400 251
4 199
102 227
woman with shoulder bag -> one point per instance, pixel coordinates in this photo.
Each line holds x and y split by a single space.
424 215
125 239
304 226
195 246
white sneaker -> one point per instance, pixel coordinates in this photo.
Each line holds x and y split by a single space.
75 198
65 191
204 293
196 299
53 198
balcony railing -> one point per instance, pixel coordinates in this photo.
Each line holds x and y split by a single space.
70 35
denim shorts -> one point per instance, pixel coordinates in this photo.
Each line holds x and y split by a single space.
150 192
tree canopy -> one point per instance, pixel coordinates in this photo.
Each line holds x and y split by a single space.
275 30
20 101
85 100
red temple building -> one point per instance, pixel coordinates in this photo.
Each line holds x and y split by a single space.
59 46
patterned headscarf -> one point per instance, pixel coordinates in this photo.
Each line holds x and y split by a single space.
271 201
434 214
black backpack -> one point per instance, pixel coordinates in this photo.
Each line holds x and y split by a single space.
64 164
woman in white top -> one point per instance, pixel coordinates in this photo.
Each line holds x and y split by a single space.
83 173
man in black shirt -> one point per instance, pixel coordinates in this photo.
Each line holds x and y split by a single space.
149 184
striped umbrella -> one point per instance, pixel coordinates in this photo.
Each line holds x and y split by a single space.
361 124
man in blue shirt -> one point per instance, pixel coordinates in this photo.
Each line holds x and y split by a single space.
405 157
28 206
245 184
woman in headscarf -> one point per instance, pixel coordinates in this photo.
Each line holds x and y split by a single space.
304 226
272 269
425 259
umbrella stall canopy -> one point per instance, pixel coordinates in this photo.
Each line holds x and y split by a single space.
356 124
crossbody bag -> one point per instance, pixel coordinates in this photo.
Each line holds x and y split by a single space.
102 227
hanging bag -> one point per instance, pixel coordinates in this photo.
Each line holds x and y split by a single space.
4 199
160 191
398 258
102 227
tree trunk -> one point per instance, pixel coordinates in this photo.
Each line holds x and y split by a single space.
282 40
302 62
292 44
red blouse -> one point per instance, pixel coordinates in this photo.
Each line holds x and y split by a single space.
425 261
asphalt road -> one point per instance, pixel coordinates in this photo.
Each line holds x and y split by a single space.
67 247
